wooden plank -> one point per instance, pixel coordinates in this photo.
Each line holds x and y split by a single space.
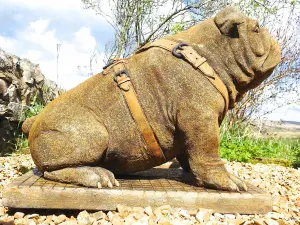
29 182
59 186
48 184
134 192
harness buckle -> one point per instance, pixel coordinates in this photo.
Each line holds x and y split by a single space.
179 47
119 73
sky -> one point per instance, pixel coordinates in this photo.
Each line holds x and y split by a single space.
32 29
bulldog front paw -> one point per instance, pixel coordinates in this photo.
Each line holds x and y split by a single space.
96 177
221 180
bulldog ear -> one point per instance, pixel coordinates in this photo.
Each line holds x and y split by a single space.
228 19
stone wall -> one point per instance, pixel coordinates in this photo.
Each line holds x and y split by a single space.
20 82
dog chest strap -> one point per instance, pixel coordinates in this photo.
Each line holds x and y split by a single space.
124 83
187 52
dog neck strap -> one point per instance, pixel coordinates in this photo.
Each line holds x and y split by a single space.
123 81
187 52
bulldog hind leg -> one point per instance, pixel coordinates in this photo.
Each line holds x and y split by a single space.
73 151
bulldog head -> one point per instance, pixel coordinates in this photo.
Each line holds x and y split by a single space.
240 51
255 52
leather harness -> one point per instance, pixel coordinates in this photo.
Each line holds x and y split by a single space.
121 77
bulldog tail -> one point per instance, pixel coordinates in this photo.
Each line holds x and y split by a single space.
27 124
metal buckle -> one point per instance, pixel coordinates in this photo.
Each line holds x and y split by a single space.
178 47
119 73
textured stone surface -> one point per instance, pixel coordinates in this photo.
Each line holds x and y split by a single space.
154 187
20 82
184 109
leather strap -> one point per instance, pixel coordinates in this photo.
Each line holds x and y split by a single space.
197 61
125 84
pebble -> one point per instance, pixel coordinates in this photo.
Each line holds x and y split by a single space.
269 221
148 211
33 216
59 219
84 218
283 183
99 215
19 215
123 210
184 213
203 215
2 211
259 222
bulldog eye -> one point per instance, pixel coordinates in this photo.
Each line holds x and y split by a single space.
256 28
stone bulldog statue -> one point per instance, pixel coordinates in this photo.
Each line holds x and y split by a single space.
154 106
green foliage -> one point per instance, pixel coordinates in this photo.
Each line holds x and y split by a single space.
178 27
21 141
21 145
238 145
34 109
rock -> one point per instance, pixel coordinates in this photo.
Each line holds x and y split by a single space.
123 210
218 216
20 82
162 210
116 220
84 218
41 219
18 215
5 111
69 222
282 222
157 212
2 211
33 216
230 216
203 215
288 212
110 215
248 222
274 215
258 221
129 220
153 220
269 221
164 221
21 221
184 213
32 222
137 216
143 220
148 210
165 212
59 219
7 220
138 210
99 215
101 222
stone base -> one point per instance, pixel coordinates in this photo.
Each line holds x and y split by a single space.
155 187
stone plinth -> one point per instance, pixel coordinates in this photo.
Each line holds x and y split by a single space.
155 187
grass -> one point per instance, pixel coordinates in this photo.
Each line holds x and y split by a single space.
237 144
21 141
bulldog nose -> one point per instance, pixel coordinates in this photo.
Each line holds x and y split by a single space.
273 58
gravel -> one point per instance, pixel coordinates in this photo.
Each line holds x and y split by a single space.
281 182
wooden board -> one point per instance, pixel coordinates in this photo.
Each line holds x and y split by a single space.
155 187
